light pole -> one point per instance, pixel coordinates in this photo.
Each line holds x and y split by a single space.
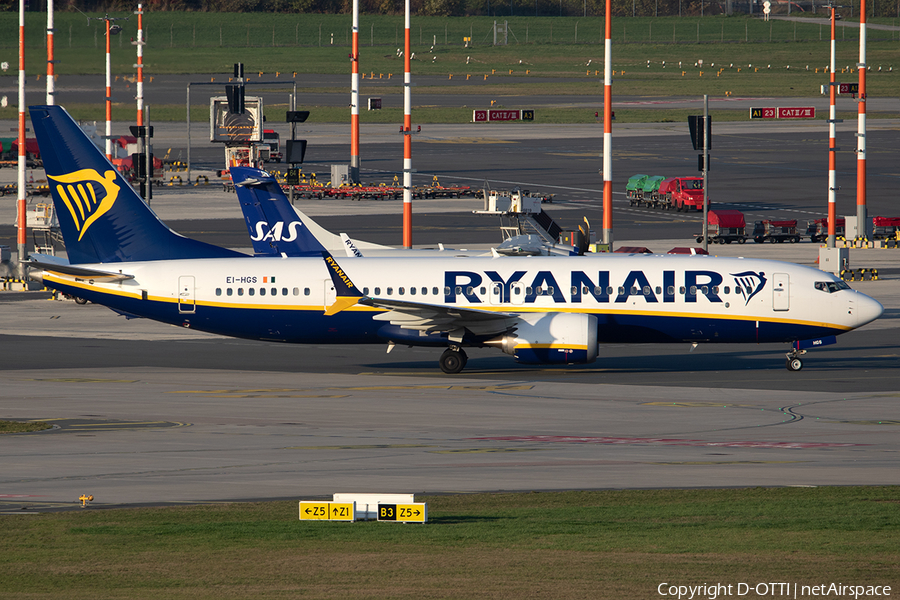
111 29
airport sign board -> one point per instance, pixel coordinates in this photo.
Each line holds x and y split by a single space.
763 113
848 88
797 112
783 112
327 511
502 114
416 512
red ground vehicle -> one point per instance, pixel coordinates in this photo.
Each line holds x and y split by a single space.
884 228
725 226
776 231
818 230
682 193
272 140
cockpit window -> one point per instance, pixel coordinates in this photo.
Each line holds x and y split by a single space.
831 286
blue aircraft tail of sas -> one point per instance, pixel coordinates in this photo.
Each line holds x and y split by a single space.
102 218
275 228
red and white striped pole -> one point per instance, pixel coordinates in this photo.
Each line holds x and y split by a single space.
140 65
20 202
354 98
607 131
861 131
108 96
51 88
832 145
407 139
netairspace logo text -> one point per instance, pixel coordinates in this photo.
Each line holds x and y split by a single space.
774 590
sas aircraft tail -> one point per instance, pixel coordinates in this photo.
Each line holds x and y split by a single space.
274 226
102 218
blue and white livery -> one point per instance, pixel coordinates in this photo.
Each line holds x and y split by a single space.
540 310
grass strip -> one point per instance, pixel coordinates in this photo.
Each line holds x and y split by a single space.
609 544
22 426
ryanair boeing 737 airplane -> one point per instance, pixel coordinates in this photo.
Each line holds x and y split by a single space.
541 310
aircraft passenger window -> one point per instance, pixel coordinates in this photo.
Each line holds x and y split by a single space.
425 291
401 291
228 292
412 291
378 291
262 291
681 290
621 291
670 290
705 289
284 292
458 290
574 290
609 291
482 291
635 291
251 291
693 290
550 290
597 290
528 291
469 290
446 290
715 289
390 291
296 291
434 291
647 291
365 291
727 290
218 291
240 291
273 291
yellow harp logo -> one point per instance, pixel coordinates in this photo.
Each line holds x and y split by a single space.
80 196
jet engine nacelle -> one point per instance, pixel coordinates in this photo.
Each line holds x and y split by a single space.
551 338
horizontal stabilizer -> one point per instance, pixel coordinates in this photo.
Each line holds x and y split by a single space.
76 271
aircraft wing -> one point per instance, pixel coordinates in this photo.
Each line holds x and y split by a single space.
432 317
76 271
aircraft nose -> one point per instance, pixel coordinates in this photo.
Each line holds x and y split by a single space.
868 309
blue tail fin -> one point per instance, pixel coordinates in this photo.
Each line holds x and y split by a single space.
275 228
101 217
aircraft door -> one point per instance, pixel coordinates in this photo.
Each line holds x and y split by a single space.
781 291
186 303
330 293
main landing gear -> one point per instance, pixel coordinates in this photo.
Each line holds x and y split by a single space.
793 362
453 360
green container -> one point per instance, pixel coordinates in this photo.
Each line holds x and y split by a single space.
635 182
651 184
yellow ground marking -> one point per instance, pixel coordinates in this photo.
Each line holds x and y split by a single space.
482 450
358 447
696 404
729 462
84 380
471 140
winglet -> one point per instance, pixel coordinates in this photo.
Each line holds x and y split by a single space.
347 293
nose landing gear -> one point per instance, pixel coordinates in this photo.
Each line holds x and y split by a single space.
793 362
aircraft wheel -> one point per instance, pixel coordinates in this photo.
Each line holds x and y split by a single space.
453 361
80 300
793 364
741 240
